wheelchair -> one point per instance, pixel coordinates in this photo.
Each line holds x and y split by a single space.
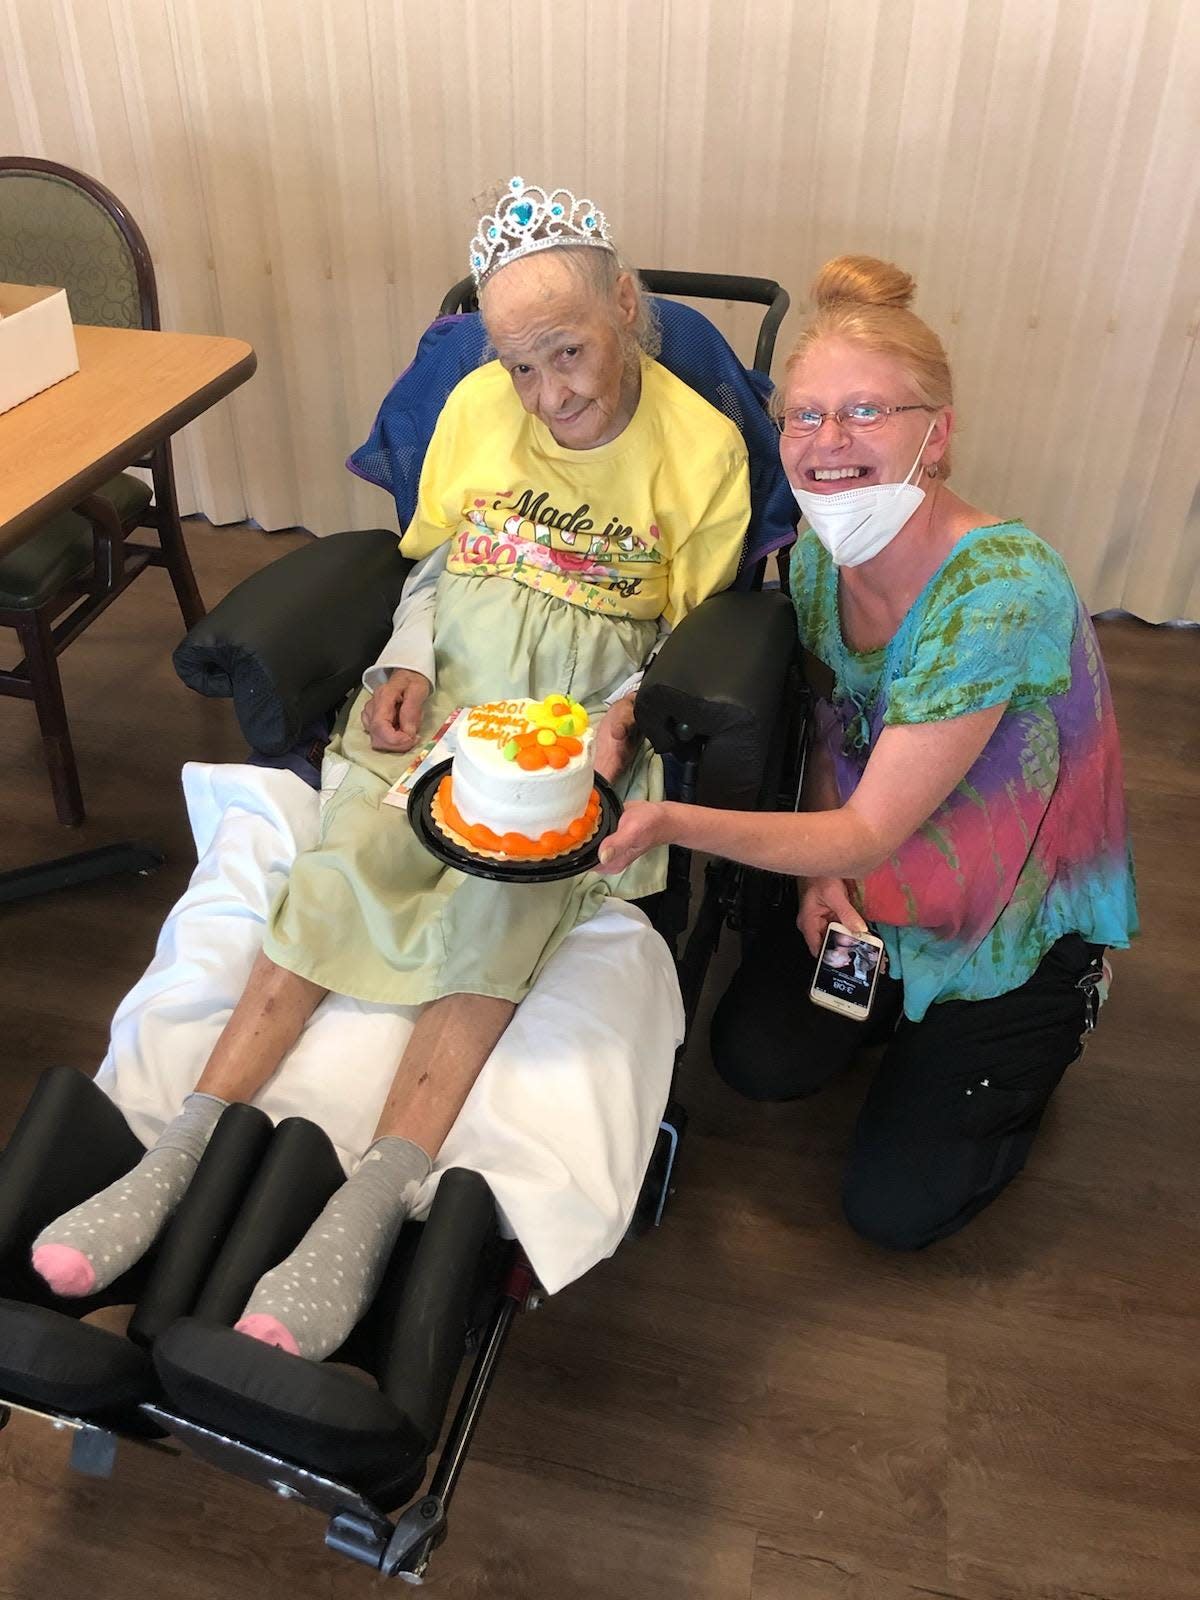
721 703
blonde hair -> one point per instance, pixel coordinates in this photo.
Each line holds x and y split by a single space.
866 301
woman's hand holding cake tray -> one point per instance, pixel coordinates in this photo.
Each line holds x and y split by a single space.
520 800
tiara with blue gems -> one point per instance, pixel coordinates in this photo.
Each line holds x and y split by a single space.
527 219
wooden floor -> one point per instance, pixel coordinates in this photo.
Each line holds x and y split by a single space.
751 1405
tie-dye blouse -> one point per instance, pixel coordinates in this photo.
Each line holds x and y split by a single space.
1033 843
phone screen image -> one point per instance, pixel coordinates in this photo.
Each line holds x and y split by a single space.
847 969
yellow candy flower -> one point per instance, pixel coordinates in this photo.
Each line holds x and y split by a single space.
560 714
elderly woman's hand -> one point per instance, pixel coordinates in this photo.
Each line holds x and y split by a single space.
643 825
616 739
392 716
822 901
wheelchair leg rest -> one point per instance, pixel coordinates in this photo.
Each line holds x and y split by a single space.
424 1525
188 1248
254 1403
405 1554
70 1142
429 1310
294 1179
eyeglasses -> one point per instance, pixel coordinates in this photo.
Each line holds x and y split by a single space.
860 418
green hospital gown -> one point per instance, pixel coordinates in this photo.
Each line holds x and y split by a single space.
368 912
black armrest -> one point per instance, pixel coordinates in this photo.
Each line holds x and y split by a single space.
288 643
722 681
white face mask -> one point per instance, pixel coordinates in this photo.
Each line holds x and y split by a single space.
856 524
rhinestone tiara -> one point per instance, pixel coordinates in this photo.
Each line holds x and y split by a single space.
528 218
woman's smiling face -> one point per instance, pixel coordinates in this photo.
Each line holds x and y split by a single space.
563 348
836 372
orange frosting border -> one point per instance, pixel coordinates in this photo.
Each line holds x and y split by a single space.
551 843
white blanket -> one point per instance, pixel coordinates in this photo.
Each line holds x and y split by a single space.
561 1121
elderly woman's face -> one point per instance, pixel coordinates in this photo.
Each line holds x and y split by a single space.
563 348
836 373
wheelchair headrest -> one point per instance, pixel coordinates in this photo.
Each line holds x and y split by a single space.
692 349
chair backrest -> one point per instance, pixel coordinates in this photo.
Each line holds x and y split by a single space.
692 349
464 296
60 227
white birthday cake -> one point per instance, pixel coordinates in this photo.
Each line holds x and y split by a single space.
522 781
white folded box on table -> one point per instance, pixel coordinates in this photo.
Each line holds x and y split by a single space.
37 341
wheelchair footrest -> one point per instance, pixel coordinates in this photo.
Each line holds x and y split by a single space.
302 1410
51 1361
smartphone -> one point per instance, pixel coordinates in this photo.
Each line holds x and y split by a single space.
848 971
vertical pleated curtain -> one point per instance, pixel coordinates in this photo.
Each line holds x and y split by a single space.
304 171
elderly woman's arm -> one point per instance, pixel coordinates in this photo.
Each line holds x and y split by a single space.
401 677
411 643
910 772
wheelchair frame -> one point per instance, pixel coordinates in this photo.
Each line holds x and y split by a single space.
463 296
360 1526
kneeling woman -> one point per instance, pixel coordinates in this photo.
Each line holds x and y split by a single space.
964 792
575 496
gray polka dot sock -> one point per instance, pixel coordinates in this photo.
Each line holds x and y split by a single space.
309 1303
86 1248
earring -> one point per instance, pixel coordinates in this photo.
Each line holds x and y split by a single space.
931 471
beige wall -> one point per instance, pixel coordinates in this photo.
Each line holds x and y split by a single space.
304 171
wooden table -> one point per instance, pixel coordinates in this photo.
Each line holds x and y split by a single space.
133 389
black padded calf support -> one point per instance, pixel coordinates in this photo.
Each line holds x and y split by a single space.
322 1418
430 1329
71 1142
295 1179
193 1237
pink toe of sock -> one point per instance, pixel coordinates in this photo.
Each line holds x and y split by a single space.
67 1270
269 1330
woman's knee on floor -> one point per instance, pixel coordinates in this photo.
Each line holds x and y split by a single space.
757 1074
886 1202
769 1041
765 1048
904 1194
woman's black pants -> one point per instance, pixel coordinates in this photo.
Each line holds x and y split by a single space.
954 1107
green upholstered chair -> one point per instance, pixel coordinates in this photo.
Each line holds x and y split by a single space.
62 228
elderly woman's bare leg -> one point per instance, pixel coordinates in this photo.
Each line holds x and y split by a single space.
452 1039
88 1247
310 1302
262 1028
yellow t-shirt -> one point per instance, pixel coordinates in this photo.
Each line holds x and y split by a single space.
644 526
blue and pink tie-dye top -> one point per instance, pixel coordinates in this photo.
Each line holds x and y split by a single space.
1033 843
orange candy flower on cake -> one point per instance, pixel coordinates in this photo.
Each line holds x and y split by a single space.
553 738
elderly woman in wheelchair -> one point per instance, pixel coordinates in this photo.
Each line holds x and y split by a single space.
576 500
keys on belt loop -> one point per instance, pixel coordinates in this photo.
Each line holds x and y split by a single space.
1095 984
